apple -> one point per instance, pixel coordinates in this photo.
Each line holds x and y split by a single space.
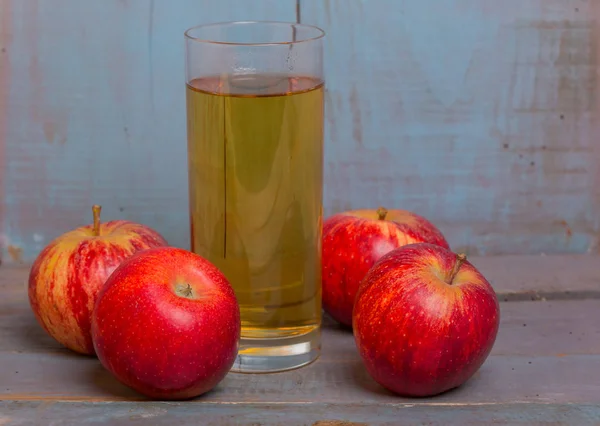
167 324
424 320
67 274
354 240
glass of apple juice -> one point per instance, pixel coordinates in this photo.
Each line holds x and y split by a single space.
255 165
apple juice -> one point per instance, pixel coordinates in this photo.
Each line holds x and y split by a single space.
255 149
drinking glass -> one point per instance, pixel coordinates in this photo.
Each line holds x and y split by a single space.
255 159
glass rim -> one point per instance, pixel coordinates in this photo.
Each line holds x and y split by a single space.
187 33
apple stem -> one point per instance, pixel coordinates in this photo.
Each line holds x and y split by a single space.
460 258
381 213
184 290
96 209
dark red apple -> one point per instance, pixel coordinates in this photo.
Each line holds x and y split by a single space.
425 320
167 324
353 241
68 273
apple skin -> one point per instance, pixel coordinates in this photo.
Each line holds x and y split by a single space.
354 240
417 335
167 324
67 274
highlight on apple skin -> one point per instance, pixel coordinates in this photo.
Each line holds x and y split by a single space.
354 240
68 273
167 324
425 320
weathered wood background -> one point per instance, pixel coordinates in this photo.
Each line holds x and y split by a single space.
481 115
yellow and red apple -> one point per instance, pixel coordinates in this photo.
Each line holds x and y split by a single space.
354 240
424 320
68 273
167 324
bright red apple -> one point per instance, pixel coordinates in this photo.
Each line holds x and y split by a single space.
68 273
425 320
167 324
353 241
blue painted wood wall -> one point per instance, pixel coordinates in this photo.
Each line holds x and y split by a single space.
482 115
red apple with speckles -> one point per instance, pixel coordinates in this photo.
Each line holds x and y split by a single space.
167 324
353 241
68 273
425 320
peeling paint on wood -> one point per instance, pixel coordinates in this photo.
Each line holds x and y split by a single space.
5 41
96 113
481 115
15 253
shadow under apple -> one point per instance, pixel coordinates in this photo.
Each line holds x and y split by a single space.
363 380
26 334
111 386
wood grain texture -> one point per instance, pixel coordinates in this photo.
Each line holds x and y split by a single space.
95 112
502 380
528 329
481 115
314 414
535 277
551 277
5 40
544 368
544 327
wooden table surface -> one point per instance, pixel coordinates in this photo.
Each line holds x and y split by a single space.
544 368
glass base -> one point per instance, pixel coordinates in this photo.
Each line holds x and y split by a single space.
277 354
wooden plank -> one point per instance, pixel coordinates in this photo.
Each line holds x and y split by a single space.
534 338
552 328
479 114
28 376
5 37
313 414
545 367
96 113
513 277
539 277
